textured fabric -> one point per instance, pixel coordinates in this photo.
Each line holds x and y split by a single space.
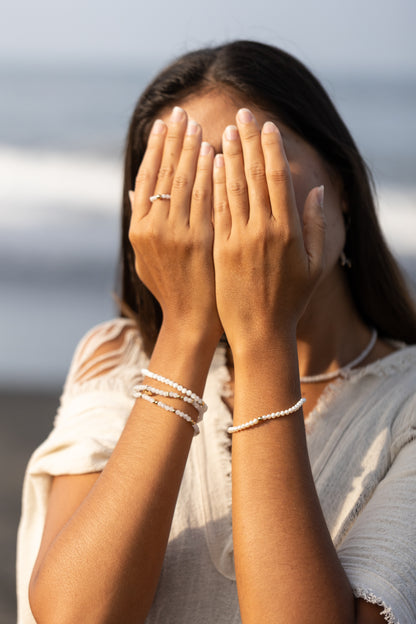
362 448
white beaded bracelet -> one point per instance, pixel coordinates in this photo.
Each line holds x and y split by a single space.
171 394
169 408
256 421
195 398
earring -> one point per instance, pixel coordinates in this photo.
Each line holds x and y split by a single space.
344 261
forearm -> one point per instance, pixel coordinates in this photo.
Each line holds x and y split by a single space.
105 563
287 568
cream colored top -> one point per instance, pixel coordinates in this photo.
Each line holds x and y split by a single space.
362 447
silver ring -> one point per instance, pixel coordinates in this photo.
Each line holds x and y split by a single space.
159 196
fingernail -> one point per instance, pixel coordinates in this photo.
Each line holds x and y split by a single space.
205 148
192 127
269 127
244 115
131 197
219 161
231 133
158 127
177 114
320 195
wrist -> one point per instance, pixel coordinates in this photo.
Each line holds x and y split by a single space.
265 345
268 362
187 341
183 356
192 332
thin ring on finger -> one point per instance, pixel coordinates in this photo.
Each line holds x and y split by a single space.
153 198
176 126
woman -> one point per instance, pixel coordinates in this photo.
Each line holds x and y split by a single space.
247 212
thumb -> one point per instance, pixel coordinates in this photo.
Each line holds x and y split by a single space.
131 198
314 229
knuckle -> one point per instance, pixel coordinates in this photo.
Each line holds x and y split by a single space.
141 234
256 171
190 144
251 134
199 194
221 206
287 236
173 134
279 175
165 171
233 151
135 233
237 187
204 165
180 182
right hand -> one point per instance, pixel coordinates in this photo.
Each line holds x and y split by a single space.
259 231
173 239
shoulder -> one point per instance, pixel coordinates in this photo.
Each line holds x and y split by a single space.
113 349
390 380
400 362
388 388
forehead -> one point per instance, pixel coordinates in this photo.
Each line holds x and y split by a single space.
215 110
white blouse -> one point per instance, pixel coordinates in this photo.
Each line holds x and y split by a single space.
362 448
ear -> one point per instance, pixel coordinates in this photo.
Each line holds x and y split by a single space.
345 214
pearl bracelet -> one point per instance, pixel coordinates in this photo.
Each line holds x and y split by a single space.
255 421
168 408
195 398
171 394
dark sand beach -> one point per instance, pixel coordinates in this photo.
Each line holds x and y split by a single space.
25 420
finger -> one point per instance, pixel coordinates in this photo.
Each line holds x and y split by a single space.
184 177
222 214
201 206
147 175
172 149
314 229
279 179
258 193
235 176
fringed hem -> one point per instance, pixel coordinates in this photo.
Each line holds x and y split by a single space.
369 596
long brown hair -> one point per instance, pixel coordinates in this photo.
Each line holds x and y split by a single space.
278 83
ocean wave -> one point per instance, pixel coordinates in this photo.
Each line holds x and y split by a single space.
48 188
397 215
35 184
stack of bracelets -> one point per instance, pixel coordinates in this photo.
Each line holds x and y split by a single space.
150 394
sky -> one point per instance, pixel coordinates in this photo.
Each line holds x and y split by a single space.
350 35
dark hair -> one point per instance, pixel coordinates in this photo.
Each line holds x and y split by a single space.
276 82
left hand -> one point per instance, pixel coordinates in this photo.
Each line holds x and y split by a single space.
266 263
173 239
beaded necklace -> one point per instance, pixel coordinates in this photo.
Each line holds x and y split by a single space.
339 372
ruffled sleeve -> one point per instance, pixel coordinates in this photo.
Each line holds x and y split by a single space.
379 552
93 411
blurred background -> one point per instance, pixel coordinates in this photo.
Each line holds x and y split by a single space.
70 73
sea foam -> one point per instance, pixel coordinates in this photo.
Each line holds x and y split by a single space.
42 187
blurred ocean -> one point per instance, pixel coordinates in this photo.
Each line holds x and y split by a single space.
61 141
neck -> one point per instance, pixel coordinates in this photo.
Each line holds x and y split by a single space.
331 333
